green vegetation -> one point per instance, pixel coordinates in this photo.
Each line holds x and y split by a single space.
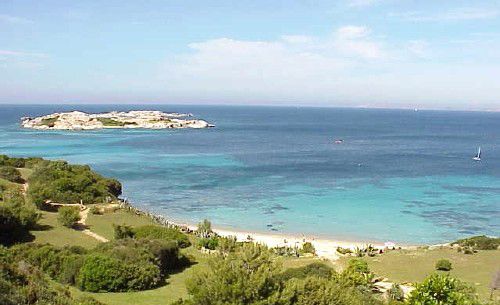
16 218
204 229
479 243
61 182
442 289
49 121
163 233
443 265
149 264
307 247
477 269
11 174
27 285
68 216
111 122
252 276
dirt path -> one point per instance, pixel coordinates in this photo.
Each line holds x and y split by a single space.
82 222
84 213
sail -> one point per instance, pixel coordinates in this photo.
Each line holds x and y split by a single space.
479 152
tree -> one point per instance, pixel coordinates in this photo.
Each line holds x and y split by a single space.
205 228
440 289
68 216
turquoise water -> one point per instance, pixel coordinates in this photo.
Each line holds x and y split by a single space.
399 175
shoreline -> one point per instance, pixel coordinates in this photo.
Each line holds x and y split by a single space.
325 247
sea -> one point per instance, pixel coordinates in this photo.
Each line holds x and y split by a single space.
399 175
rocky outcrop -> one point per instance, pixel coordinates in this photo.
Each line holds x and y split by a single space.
77 120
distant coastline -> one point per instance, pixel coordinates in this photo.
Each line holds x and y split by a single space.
77 120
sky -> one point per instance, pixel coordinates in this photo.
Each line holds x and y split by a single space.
345 53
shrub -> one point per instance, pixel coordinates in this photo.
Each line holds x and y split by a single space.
123 231
442 289
395 293
443 265
64 183
358 265
308 247
210 243
162 253
315 269
11 174
164 233
101 273
21 283
95 210
227 244
344 251
68 216
16 219
479 242
204 228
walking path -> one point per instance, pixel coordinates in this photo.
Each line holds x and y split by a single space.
84 213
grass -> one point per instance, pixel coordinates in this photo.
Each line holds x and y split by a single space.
174 289
25 172
54 233
111 122
49 121
103 224
415 265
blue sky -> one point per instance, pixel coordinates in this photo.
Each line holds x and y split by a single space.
358 53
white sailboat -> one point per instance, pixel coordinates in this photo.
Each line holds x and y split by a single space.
478 156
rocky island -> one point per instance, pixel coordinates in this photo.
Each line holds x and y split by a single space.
77 120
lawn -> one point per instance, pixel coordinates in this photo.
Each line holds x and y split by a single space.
103 224
54 233
172 291
414 265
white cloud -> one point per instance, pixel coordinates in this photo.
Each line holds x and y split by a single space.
354 40
23 60
14 19
457 14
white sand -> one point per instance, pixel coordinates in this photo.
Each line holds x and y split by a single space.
325 248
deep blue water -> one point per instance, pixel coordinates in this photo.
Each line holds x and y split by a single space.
399 175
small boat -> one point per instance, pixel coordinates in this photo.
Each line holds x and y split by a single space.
339 141
478 155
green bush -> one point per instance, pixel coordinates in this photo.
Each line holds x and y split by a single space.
13 162
308 247
61 182
442 289
315 269
164 233
227 244
123 231
101 273
210 243
11 174
68 216
396 293
162 253
358 265
16 218
204 229
443 265
252 276
479 242
21 283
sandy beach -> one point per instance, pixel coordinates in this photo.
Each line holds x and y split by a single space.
325 248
